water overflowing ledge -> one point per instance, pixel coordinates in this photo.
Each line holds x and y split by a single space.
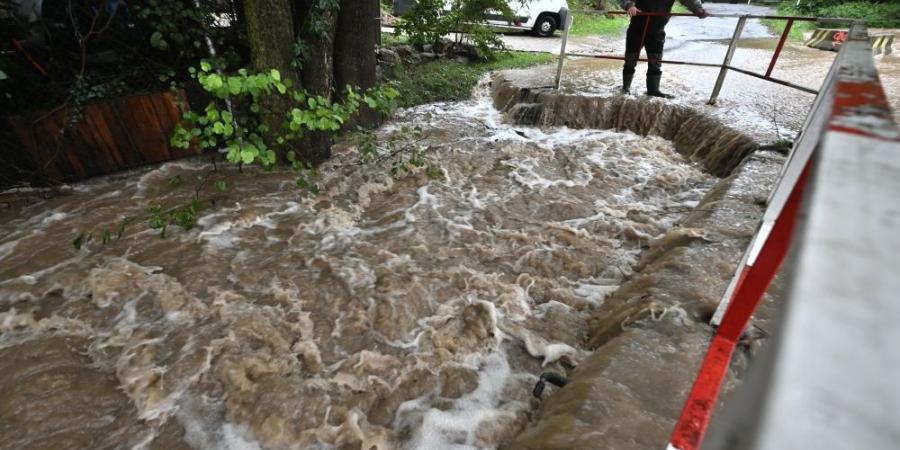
651 334
697 136
402 311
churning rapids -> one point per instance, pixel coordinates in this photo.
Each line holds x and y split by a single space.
386 312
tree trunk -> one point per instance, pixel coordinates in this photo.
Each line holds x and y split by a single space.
270 30
316 27
358 30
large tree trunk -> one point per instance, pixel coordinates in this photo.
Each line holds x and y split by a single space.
358 30
316 27
270 29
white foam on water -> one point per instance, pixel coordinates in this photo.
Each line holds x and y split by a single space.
456 427
236 437
7 248
594 293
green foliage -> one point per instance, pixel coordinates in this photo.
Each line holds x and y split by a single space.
593 24
183 216
876 14
391 39
598 23
81 239
428 21
400 151
245 137
444 80
425 23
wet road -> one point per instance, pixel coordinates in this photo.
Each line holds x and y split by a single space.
764 109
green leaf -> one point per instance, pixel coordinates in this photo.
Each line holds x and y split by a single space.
234 155
205 66
227 116
276 75
221 185
214 81
291 156
281 88
234 86
157 41
249 153
229 130
218 128
107 237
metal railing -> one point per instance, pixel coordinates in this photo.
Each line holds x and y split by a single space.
725 66
827 379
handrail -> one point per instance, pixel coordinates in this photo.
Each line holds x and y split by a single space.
725 66
726 16
827 379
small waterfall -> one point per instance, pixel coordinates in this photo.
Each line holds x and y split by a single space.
703 139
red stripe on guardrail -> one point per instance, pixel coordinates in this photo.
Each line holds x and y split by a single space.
698 409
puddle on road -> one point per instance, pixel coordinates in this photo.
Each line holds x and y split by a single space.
413 312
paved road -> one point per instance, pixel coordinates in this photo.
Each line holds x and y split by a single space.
679 31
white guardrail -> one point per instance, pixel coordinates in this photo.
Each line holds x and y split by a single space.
828 378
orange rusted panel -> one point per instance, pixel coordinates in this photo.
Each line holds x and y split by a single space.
112 135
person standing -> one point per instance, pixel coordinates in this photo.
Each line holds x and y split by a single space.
653 34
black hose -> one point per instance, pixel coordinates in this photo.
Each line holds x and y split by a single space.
548 377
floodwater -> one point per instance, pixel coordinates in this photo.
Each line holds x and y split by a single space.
407 311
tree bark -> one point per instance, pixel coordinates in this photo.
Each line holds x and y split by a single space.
270 30
316 28
358 30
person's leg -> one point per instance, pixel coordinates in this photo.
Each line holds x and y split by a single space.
632 50
656 39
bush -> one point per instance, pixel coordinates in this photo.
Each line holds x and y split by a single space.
879 15
427 22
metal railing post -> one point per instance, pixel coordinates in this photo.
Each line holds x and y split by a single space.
562 48
738 29
784 36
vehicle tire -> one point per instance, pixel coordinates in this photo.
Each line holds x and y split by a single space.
546 25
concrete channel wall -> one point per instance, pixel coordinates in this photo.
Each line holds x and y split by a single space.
828 379
718 148
650 336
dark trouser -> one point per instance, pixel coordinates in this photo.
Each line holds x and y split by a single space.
654 39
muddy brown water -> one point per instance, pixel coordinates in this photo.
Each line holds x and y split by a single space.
387 312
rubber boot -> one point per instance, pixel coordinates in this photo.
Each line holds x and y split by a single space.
653 86
626 82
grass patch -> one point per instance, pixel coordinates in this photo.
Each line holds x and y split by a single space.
445 80
798 29
389 39
599 24
594 24
876 15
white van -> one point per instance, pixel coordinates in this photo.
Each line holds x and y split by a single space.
542 17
